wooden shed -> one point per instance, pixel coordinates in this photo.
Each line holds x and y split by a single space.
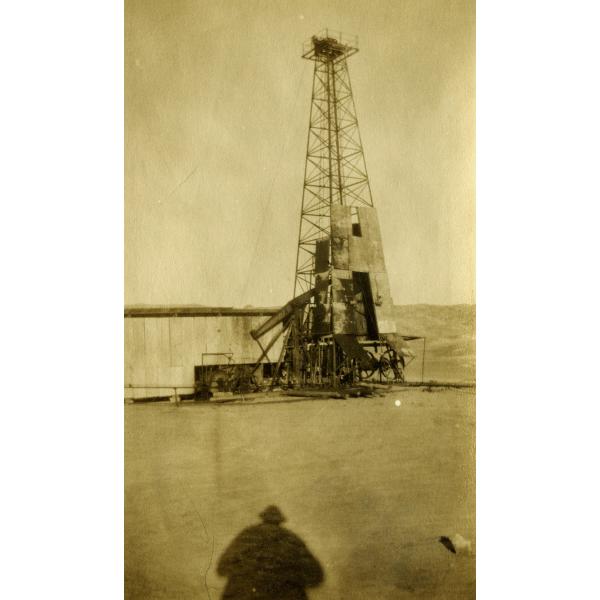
165 346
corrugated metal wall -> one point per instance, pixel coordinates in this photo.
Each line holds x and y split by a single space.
163 351
362 253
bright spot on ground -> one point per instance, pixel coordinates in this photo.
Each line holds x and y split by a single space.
397 403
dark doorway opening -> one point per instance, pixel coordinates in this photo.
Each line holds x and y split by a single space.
356 229
362 291
268 369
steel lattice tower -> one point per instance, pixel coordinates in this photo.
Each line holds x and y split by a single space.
335 171
340 325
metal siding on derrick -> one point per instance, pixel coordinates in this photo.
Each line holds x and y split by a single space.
341 229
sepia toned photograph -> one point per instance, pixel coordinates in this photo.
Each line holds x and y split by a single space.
324 250
300 307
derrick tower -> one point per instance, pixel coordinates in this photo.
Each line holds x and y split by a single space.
335 171
339 240
339 327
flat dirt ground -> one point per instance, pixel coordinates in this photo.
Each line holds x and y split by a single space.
369 486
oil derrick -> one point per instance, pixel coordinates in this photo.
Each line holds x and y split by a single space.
339 328
335 172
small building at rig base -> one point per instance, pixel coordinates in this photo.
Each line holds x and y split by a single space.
166 347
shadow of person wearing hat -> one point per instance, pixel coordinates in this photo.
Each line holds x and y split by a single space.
268 562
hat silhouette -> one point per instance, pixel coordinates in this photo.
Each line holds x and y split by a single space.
272 514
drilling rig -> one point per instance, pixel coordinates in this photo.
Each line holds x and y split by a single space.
339 328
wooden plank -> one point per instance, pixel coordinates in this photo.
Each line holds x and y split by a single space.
314 394
216 338
138 377
128 341
164 351
152 342
137 354
188 348
176 340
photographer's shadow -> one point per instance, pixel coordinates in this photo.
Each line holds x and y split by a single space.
268 562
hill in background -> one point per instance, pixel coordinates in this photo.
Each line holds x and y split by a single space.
449 344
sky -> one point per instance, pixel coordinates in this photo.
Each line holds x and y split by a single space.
217 101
